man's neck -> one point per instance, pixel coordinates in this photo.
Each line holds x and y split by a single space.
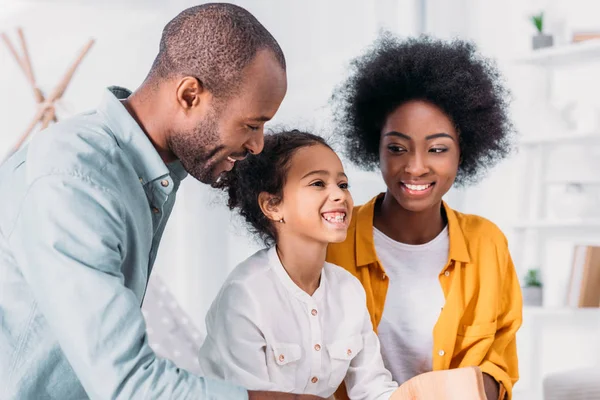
146 111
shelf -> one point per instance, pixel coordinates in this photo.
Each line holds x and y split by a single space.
565 55
583 182
557 311
589 223
574 138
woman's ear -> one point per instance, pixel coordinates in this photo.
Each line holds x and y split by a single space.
270 205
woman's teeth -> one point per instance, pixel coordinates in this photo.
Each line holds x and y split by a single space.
417 187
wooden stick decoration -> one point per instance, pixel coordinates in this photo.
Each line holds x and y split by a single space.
46 105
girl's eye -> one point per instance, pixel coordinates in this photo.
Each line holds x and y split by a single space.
318 184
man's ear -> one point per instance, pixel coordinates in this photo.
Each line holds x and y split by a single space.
190 93
270 205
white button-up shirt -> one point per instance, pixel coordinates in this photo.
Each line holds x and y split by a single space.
265 333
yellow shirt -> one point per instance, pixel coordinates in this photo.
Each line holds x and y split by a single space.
483 310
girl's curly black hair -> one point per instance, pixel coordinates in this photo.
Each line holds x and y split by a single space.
264 172
449 74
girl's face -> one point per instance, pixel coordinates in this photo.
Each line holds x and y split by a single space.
316 202
419 155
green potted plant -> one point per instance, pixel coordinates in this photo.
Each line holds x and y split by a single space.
532 291
540 39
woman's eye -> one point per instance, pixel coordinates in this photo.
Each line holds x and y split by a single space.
344 185
253 128
438 150
396 149
318 184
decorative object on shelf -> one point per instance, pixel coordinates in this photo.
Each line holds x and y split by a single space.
582 116
532 291
46 112
584 36
541 39
572 200
584 284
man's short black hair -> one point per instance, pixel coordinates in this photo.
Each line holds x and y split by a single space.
212 42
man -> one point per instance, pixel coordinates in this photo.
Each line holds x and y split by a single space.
86 202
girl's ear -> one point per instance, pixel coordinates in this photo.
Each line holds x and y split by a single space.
270 205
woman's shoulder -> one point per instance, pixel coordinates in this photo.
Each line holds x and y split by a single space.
475 227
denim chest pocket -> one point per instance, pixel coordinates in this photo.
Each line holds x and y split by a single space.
341 353
282 364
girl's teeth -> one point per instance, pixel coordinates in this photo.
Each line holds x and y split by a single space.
335 218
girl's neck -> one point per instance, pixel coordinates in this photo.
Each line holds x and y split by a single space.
303 260
406 226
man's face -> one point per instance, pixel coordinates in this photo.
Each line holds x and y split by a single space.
219 132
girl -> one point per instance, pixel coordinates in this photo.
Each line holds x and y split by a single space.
441 286
285 319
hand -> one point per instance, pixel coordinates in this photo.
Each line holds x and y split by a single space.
454 384
492 388
255 395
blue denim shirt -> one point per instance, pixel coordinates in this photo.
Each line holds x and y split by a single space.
84 206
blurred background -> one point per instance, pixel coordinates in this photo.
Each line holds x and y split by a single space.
545 197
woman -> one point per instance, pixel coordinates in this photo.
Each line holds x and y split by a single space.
441 287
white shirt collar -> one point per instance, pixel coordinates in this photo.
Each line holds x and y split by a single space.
290 285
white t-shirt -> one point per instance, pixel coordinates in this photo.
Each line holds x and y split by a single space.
413 302
265 333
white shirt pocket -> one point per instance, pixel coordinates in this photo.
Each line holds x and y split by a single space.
341 352
282 364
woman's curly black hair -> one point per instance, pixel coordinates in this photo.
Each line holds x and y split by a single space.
264 172
449 74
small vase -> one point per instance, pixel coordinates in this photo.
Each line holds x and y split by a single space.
542 40
532 296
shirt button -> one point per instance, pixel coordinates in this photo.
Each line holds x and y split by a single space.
314 312
349 352
447 273
164 183
281 358
314 379
441 353
155 210
141 180
317 347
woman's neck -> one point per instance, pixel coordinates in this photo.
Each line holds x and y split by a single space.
303 260
406 226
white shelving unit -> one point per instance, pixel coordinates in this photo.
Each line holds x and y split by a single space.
535 224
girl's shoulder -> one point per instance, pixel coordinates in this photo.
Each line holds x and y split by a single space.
251 267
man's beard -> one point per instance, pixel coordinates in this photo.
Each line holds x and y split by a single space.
197 150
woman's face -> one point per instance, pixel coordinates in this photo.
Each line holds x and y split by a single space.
419 155
316 202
